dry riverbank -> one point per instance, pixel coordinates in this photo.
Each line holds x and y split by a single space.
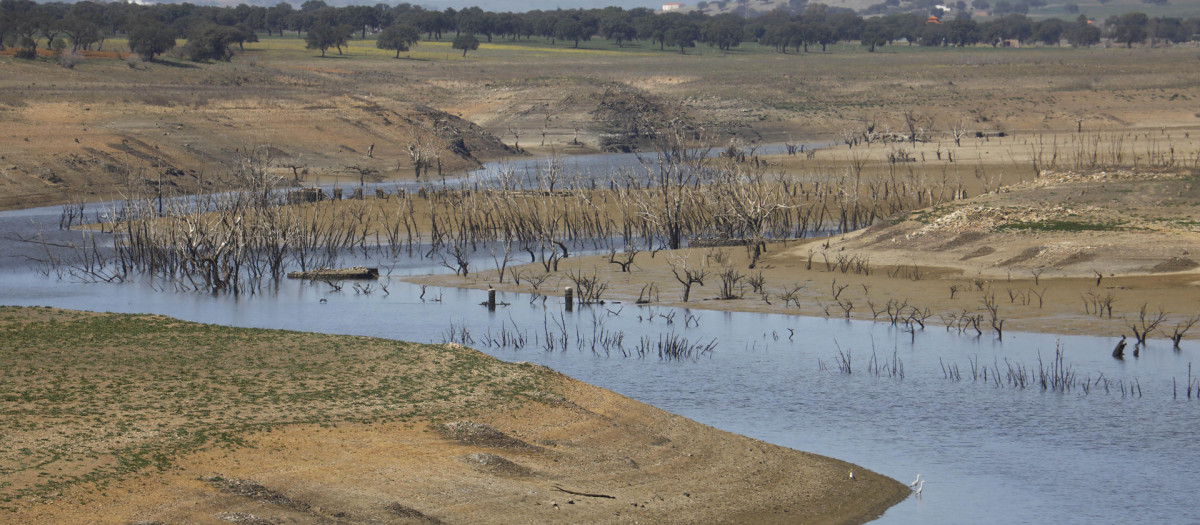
1100 253
215 424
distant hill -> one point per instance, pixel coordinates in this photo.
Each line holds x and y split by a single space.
1052 8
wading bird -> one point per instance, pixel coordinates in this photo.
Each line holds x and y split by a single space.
913 485
920 488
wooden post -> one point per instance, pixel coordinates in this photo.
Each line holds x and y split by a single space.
570 298
491 304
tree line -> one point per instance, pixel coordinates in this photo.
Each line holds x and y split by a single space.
212 32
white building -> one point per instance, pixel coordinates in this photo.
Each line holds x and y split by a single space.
667 8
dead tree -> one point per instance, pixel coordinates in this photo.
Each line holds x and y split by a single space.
993 309
363 172
918 126
252 172
1181 328
626 258
959 130
730 283
590 287
1146 323
297 165
685 275
424 150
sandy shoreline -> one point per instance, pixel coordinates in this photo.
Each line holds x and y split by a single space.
1061 308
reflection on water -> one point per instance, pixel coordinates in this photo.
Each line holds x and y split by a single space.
991 454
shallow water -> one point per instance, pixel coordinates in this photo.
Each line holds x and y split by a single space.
990 454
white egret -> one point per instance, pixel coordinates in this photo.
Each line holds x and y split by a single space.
920 488
913 485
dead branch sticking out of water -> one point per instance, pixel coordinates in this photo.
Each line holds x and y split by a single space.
844 360
1054 376
893 369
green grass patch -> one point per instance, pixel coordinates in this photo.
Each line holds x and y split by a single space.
928 215
1055 225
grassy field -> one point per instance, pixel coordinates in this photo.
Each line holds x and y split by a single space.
89 398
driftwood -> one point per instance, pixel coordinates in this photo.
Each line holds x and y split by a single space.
356 272
716 242
584 494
